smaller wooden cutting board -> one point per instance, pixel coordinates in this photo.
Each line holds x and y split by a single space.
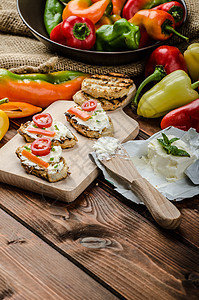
83 170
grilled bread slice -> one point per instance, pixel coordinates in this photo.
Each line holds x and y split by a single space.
63 136
55 172
97 126
110 86
80 97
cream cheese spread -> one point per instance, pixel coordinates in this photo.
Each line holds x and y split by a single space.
53 157
170 166
98 121
61 131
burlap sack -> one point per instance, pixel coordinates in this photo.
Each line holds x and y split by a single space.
18 46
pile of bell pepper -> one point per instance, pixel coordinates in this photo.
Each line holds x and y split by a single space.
112 25
174 95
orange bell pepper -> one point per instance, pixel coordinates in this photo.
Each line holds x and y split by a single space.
19 109
117 6
105 20
158 24
34 158
40 89
86 9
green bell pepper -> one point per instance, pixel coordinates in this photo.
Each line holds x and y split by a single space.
173 91
122 35
52 14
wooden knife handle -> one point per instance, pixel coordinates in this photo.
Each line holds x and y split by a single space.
162 210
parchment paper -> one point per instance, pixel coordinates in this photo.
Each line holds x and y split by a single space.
179 190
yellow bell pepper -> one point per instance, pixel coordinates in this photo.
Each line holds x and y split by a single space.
173 91
4 120
191 56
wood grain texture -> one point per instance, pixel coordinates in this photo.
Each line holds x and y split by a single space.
118 246
83 170
32 270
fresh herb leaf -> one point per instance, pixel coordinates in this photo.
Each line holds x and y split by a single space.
35 126
52 158
53 149
55 166
56 127
173 140
27 148
165 138
173 150
98 121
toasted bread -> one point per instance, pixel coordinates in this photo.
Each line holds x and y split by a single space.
80 97
110 86
50 174
86 131
63 141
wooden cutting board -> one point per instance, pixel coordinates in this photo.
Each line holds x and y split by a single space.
83 170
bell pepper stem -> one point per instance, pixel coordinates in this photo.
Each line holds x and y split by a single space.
169 28
195 85
157 75
4 100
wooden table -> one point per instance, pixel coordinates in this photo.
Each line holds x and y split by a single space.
99 247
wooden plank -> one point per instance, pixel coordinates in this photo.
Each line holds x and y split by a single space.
136 258
83 170
30 269
189 209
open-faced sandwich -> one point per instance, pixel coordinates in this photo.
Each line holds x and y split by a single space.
43 125
112 90
43 159
90 120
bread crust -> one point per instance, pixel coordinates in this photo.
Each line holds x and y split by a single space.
63 142
42 172
86 131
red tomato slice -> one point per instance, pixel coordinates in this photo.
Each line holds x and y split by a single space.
43 120
41 146
89 105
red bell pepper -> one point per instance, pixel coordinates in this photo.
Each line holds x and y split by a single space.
162 61
75 32
133 6
183 117
175 9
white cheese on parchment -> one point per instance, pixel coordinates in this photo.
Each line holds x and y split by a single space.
170 166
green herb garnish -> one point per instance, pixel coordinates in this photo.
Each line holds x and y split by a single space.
52 158
173 150
27 148
98 121
56 127
53 149
55 166
35 126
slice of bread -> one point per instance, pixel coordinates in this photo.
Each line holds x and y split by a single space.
80 97
86 131
110 86
67 140
55 172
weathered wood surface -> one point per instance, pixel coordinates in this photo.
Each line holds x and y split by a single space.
31 269
115 241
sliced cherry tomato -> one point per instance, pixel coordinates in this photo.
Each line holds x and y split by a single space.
43 120
41 146
79 113
89 105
